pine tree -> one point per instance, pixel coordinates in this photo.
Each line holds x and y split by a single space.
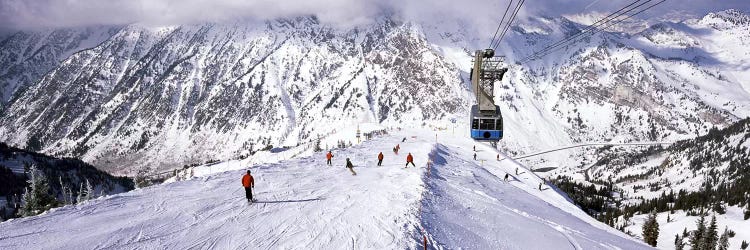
711 235
317 146
696 237
81 195
651 229
744 244
85 192
678 243
90 194
67 196
36 198
724 240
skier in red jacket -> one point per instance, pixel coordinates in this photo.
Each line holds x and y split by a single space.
329 155
410 159
380 159
249 184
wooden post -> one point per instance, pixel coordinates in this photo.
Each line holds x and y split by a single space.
424 241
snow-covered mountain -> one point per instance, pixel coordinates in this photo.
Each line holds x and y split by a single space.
27 56
456 202
671 81
158 98
179 95
710 173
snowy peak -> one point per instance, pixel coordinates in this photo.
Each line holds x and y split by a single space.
27 55
670 35
727 19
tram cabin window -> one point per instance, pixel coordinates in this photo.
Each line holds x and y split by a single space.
487 124
475 124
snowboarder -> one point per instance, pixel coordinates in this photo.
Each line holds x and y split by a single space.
380 159
329 155
249 183
403 140
506 176
475 156
350 166
410 159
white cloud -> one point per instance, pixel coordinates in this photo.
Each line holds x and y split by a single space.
22 14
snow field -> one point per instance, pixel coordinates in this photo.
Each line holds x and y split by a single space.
470 206
302 203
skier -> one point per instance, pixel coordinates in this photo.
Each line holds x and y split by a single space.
249 183
475 148
350 166
410 159
506 176
516 171
498 157
329 155
380 159
540 186
403 140
475 156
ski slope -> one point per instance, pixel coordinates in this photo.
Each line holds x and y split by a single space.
301 203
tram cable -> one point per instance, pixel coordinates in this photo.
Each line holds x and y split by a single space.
510 22
594 29
500 24
588 28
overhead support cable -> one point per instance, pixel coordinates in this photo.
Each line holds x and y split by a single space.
508 25
590 27
500 24
595 28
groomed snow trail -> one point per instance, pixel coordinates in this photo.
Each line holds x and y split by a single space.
469 205
300 204
303 204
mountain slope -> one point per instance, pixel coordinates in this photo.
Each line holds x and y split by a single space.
302 202
669 82
215 91
26 56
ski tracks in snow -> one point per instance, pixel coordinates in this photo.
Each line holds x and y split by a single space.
301 203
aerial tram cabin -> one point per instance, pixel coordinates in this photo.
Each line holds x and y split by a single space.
486 120
486 128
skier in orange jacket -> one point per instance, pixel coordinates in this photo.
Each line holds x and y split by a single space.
410 159
329 155
380 159
249 183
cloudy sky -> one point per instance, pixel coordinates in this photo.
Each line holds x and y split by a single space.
30 14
